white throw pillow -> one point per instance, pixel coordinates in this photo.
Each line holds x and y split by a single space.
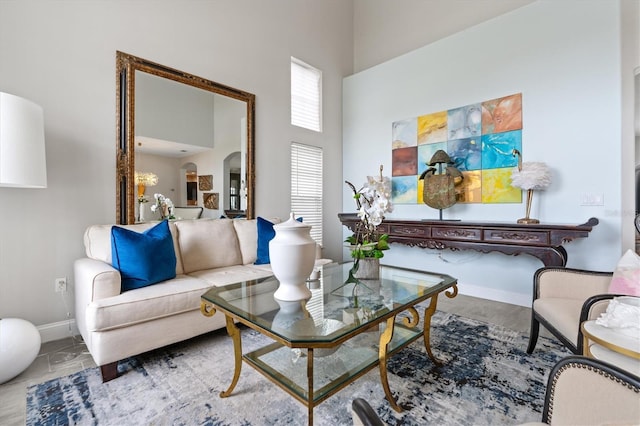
623 315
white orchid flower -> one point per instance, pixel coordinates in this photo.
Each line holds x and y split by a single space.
373 201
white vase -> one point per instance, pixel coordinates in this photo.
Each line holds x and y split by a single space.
141 212
292 252
368 269
19 346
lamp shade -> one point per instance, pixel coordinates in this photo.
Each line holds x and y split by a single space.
22 151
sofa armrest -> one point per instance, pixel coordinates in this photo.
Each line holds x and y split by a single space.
95 280
567 283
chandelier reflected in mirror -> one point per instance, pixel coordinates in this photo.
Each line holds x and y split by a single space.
144 179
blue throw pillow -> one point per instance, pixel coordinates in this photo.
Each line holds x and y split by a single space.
265 234
143 258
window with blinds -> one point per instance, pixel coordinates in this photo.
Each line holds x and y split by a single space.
306 95
306 186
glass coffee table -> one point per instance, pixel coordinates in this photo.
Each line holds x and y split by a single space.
323 344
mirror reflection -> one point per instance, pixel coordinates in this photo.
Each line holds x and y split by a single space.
186 138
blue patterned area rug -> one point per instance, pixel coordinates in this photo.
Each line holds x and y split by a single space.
487 379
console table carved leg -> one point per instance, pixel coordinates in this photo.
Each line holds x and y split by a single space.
234 333
310 382
385 339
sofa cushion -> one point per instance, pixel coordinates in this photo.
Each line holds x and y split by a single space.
208 244
97 241
233 274
247 239
178 295
143 258
171 297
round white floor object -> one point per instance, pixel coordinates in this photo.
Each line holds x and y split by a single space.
19 346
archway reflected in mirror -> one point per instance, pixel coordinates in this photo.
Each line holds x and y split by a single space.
190 175
232 183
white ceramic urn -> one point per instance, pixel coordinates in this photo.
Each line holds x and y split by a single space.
293 253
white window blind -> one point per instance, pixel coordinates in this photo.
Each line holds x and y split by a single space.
306 186
306 98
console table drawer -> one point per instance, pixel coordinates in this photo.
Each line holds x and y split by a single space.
457 234
413 231
516 237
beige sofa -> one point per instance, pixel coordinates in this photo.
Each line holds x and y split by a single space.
115 325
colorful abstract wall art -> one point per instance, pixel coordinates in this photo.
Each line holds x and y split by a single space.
479 138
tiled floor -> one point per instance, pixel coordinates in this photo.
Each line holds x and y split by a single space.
56 359
67 356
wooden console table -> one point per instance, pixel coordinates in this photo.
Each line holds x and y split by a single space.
543 241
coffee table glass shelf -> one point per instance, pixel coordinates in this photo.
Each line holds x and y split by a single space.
343 331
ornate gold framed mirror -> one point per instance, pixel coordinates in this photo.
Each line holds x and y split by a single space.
166 116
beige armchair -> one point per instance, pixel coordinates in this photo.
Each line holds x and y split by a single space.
191 212
562 299
580 391
586 391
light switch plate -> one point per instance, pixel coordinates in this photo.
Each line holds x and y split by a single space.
592 199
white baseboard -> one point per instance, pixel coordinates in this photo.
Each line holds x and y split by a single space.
58 330
496 295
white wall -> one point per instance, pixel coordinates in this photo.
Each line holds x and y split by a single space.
61 55
565 59
386 29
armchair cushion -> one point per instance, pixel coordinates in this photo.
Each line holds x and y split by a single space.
562 314
567 283
626 276
563 298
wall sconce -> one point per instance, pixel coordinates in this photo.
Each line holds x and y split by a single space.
529 176
143 180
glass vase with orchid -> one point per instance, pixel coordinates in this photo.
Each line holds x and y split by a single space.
373 200
164 206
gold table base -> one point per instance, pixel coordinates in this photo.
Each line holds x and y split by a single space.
208 309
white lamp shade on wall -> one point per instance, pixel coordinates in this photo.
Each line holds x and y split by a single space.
22 150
